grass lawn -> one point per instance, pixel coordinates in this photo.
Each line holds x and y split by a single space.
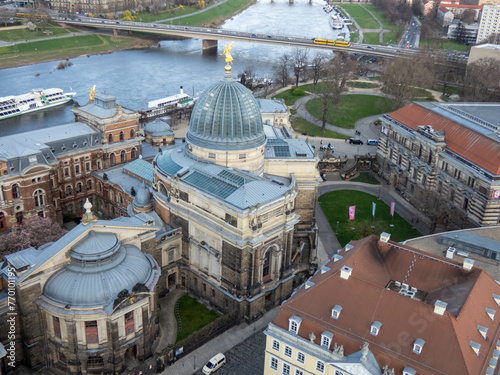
214 16
352 108
362 85
371 38
25 34
443 44
366 178
422 94
361 15
386 23
288 97
61 49
335 205
450 90
390 37
176 12
194 316
300 125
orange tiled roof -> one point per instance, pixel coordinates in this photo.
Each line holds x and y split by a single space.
467 143
365 299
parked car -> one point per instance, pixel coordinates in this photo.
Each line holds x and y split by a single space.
355 141
373 142
214 364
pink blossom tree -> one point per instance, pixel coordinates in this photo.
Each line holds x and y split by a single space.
33 233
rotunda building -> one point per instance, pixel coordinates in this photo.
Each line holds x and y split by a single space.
159 132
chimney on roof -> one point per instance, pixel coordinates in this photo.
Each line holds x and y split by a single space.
440 307
468 263
345 272
385 237
450 252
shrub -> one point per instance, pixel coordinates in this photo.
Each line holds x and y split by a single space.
298 92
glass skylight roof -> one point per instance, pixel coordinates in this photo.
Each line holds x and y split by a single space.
219 188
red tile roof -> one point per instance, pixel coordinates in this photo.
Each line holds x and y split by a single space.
467 143
365 299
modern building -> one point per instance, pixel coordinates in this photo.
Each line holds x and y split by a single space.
410 313
447 150
490 22
87 302
244 198
486 50
463 32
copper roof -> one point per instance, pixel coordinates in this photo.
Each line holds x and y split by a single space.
473 146
365 298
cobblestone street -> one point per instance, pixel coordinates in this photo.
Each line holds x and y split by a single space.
247 358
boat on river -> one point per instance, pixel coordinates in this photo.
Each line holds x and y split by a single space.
36 100
336 21
166 106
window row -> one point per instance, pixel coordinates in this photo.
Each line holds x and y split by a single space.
78 188
288 351
121 136
286 368
123 156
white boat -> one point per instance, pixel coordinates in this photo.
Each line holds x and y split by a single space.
164 106
336 22
36 100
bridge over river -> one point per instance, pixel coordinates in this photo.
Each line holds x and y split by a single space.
210 36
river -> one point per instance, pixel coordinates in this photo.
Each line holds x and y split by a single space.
138 76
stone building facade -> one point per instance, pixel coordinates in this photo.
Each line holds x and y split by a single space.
450 151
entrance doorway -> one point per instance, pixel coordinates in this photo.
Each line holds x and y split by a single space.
171 280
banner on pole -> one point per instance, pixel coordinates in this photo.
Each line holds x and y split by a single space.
393 204
352 210
373 208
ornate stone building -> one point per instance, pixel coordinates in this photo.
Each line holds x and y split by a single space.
451 150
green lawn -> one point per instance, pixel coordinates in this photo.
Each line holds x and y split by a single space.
390 37
300 125
25 34
366 178
288 96
352 108
336 204
362 85
361 15
171 12
214 16
449 44
386 23
194 316
371 38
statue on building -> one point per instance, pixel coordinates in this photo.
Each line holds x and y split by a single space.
229 58
92 93
364 352
339 349
312 336
387 371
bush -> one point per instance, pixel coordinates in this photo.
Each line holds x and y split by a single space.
298 92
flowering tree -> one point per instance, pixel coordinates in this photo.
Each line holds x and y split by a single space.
34 232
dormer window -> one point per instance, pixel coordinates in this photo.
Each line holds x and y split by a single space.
409 371
482 330
418 346
491 313
294 323
336 311
375 328
326 339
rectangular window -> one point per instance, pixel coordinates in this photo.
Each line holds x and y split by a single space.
325 341
91 332
87 167
274 363
57 326
286 369
243 156
77 169
184 196
66 172
129 323
170 256
211 155
276 345
288 351
301 357
320 366
299 372
231 220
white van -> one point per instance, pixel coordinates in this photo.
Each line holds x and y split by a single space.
214 364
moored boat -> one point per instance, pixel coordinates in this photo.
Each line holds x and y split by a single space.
336 21
166 106
36 100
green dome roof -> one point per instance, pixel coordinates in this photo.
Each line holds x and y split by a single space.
226 117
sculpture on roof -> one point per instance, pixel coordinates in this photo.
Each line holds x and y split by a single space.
88 216
92 93
364 352
229 58
312 336
387 371
339 349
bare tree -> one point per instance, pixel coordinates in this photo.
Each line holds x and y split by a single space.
334 83
317 66
299 63
281 70
468 16
432 205
482 81
400 81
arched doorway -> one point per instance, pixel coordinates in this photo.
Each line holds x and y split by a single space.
3 223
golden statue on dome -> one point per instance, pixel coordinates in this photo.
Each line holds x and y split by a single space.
92 93
229 58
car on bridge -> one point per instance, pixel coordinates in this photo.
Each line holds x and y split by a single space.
355 141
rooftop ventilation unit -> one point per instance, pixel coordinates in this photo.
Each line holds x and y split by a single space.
491 313
385 237
468 263
496 297
475 346
450 252
440 307
348 247
309 284
345 272
337 257
482 330
324 269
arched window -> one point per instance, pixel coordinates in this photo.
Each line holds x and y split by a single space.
121 136
15 191
132 133
120 199
123 156
133 154
110 138
99 186
79 187
68 190
112 159
89 184
266 267
19 218
38 195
